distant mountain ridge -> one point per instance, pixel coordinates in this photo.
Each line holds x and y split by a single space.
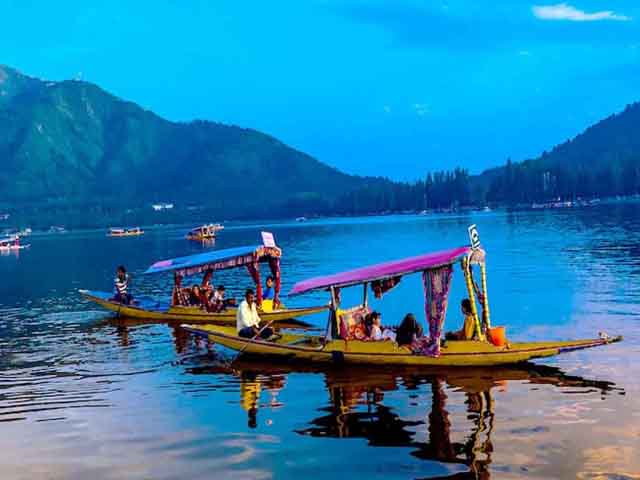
603 160
74 154
71 143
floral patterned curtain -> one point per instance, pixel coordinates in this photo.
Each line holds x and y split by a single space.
436 293
274 265
254 271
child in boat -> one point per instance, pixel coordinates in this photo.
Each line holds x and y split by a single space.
219 302
268 289
408 330
467 332
121 284
372 326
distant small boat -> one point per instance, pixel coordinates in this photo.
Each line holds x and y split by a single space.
205 232
486 209
57 229
12 243
125 232
301 219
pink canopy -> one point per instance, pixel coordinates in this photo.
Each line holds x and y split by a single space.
381 271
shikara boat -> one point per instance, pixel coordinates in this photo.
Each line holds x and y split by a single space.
208 263
125 232
12 244
204 232
338 346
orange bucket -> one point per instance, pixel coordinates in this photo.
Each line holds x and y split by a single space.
497 336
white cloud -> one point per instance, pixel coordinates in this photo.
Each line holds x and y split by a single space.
563 11
421 108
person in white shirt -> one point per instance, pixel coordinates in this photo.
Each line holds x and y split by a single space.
247 319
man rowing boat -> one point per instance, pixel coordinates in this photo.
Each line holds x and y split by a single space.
248 321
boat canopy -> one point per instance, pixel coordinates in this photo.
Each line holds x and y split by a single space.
436 269
382 271
215 260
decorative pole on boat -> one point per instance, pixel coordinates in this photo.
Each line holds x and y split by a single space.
474 239
466 268
486 316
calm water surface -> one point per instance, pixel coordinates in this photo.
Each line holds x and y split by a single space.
85 396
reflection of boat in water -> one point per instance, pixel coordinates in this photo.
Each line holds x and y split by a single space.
12 244
340 345
205 232
250 257
125 232
357 408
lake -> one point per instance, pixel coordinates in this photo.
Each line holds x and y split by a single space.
85 396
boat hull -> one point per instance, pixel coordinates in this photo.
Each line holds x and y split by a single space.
293 347
190 314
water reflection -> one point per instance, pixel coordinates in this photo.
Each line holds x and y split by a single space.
357 406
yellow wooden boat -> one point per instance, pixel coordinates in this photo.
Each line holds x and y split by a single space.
153 311
204 232
271 309
339 345
125 232
300 347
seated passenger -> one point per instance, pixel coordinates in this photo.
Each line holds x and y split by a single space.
373 327
248 321
218 300
408 330
468 328
268 289
195 299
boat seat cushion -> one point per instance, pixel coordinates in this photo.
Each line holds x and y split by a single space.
351 322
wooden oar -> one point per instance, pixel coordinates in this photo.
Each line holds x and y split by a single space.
247 344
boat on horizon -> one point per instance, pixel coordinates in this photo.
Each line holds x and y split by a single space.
208 263
205 232
339 346
125 232
12 244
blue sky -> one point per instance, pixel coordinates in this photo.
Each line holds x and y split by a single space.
379 88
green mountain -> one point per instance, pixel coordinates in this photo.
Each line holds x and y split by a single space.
74 154
604 160
71 147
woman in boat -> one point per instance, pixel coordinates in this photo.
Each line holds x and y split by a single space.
195 298
408 330
248 321
467 332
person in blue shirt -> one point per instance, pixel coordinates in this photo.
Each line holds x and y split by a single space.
268 289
